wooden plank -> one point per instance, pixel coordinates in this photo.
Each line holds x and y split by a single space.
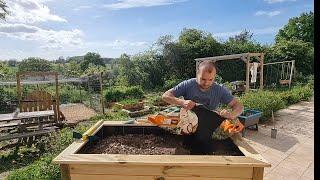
7 125
225 57
175 160
36 73
256 54
8 117
248 151
257 173
122 177
34 114
15 136
166 170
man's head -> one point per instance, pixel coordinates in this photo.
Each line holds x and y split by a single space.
206 74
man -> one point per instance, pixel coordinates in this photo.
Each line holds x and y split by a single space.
203 90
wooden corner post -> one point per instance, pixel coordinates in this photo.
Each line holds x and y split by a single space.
261 70
57 97
257 173
247 73
101 92
19 90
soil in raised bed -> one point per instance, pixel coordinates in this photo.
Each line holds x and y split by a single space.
153 145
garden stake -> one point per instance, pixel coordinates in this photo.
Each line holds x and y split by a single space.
273 130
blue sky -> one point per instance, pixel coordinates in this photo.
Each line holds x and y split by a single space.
53 28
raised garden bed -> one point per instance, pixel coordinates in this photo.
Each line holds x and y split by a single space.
124 151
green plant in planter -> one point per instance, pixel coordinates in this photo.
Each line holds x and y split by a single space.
129 101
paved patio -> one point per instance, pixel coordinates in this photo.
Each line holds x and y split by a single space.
291 154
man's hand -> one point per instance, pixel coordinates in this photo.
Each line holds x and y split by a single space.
188 104
226 114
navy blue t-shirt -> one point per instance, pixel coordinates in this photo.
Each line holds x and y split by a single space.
211 98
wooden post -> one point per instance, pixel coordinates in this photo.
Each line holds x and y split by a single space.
19 91
257 173
57 96
292 66
101 92
261 70
65 172
80 93
247 73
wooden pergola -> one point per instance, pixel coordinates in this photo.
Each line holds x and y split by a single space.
246 57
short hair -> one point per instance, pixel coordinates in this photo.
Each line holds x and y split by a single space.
207 66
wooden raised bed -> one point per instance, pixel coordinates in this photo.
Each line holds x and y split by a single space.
76 165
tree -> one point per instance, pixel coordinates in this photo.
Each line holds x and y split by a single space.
298 50
93 58
34 64
3 10
244 37
72 69
191 44
301 28
129 74
151 68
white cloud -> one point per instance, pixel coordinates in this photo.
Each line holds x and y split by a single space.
126 4
117 44
49 39
30 11
277 1
268 30
270 13
82 7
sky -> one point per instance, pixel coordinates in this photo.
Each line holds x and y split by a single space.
50 29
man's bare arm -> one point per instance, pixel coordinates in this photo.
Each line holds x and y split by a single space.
237 109
171 99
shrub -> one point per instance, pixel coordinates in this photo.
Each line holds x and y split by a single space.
6 97
134 92
120 93
297 94
264 101
171 83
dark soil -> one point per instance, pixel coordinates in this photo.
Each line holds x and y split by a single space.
151 144
137 144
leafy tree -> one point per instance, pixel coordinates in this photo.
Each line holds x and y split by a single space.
244 37
72 69
152 69
93 58
12 63
301 28
3 10
34 64
129 73
4 69
191 44
298 50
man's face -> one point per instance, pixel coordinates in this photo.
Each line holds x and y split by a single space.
205 79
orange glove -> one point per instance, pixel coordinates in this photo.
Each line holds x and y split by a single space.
231 128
